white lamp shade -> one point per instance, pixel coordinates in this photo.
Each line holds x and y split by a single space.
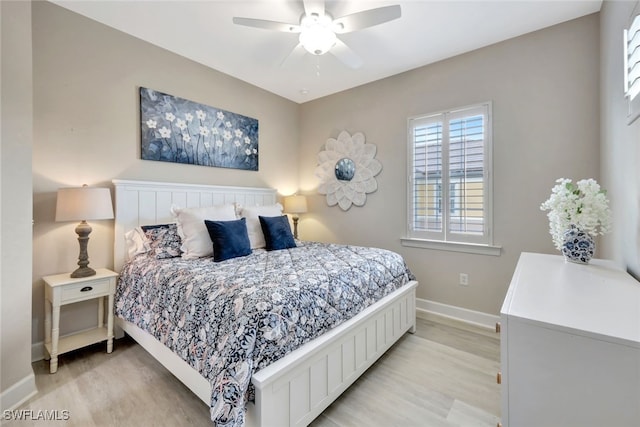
83 203
295 204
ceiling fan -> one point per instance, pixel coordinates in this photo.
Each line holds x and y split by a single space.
318 29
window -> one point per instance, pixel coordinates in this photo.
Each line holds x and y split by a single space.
631 38
449 194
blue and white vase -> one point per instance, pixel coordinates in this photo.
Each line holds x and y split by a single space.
578 245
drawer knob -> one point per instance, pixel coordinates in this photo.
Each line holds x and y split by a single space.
499 378
86 289
497 327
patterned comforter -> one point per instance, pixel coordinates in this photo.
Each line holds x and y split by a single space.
230 319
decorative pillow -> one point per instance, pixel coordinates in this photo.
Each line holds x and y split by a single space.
135 242
191 229
277 232
230 239
163 240
253 224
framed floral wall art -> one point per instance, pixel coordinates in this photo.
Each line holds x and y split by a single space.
177 130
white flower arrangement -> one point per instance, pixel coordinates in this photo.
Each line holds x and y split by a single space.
583 204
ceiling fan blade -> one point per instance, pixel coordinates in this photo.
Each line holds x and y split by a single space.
346 55
296 53
314 6
267 25
366 18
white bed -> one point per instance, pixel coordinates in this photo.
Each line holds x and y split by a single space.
297 388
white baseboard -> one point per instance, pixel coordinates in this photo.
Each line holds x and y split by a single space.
477 318
19 393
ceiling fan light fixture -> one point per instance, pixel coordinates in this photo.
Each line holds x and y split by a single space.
316 35
318 30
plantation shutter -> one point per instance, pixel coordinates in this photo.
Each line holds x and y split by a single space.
632 59
466 172
449 191
631 39
427 194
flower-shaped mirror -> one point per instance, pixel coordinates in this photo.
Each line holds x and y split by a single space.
347 170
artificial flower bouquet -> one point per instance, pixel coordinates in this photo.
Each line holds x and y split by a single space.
583 204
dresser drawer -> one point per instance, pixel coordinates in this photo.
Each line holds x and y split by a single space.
84 290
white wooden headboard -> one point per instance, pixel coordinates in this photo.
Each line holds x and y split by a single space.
148 202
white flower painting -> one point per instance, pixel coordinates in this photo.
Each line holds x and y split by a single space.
347 169
177 130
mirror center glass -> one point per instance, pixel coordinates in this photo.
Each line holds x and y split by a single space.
345 169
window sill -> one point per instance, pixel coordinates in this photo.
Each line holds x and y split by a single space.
470 248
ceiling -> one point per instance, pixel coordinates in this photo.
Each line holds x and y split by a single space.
428 31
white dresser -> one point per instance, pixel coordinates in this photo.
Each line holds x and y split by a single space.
570 345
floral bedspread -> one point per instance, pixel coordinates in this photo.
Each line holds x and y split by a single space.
232 318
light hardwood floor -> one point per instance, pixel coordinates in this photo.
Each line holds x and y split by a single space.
443 375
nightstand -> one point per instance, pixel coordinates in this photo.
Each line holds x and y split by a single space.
61 289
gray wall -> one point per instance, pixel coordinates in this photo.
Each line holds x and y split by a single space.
86 130
619 151
544 88
16 376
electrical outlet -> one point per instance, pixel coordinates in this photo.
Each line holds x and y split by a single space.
464 279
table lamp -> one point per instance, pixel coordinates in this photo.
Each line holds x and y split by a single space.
82 204
295 205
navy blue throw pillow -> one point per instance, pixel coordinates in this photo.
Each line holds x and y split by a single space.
277 232
230 239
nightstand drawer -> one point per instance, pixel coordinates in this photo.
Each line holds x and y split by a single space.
84 290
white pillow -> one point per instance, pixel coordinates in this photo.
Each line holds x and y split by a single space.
135 242
251 213
196 242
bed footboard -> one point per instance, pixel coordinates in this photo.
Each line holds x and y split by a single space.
295 390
